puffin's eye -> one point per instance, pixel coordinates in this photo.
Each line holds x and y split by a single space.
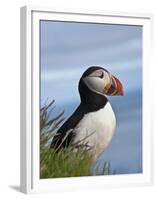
101 75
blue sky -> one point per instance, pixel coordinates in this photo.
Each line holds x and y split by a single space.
68 49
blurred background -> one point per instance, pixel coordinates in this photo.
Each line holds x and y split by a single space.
68 49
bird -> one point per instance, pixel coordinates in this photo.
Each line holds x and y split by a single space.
93 123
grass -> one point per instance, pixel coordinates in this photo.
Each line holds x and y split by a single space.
67 162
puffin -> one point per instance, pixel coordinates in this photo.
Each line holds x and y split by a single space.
92 124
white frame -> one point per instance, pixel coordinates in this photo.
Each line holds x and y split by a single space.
30 181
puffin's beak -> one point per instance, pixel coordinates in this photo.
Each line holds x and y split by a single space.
114 88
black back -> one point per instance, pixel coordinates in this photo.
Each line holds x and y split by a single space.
71 123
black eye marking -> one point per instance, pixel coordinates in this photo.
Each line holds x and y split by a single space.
102 75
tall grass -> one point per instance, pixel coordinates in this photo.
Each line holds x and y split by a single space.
67 162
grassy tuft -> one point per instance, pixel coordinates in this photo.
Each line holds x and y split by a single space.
65 163
68 162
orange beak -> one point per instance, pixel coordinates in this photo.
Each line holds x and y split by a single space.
114 88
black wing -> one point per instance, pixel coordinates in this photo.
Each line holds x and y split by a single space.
59 140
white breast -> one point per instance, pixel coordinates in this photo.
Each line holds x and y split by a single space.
96 129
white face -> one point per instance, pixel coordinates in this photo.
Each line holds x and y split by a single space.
98 80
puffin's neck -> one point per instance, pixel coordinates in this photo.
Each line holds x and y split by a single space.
93 101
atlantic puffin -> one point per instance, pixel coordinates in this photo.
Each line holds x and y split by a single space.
93 123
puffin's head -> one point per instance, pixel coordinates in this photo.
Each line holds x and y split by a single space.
101 81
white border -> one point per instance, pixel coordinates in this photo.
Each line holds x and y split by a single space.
30 181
